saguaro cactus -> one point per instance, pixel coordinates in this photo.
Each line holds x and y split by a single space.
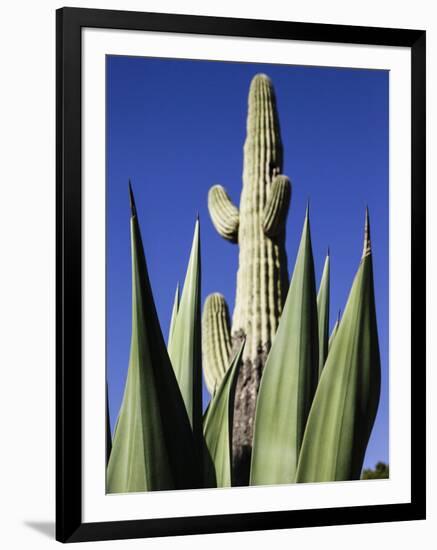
258 227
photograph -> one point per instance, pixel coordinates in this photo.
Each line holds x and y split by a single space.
218 275
247 274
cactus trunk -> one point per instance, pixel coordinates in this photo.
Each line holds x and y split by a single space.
262 279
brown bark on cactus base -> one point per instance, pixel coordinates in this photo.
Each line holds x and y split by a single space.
244 414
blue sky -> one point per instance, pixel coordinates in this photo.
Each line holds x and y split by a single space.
176 127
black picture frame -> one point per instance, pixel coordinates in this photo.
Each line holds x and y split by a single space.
69 24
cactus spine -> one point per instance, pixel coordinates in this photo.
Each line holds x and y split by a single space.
262 279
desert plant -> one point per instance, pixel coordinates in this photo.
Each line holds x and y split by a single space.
347 397
323 314
289 379
258 227
153 446
184 347
298 403
216 345
218 422
334 331
305 436
173 317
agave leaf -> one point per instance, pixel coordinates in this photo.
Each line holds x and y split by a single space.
346 400
218 423
185 347
153 442
206 411
323 314
174 313
334 331
289 378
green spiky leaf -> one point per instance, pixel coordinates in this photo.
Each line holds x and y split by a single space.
346 400
185 347
334 332
289 378
323 314
153 442
174 313
218 424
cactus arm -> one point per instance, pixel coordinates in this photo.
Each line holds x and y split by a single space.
224 214
216 340
276 209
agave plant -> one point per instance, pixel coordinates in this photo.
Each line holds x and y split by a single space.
289 379
218 424
154 445
290 403
347 397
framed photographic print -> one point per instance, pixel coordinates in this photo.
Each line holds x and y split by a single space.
240 274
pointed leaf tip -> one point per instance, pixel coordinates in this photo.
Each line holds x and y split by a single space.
219 421
346 400
196 228
367 247
185 347
145 454
133 208
289 378
306 221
